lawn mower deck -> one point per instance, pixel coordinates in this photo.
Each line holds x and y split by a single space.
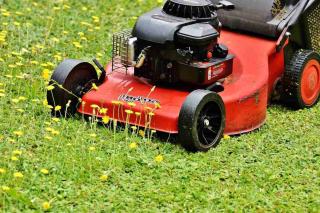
245 93
179 71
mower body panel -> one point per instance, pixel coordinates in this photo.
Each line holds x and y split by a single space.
257 67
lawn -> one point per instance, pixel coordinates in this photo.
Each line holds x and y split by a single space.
65 165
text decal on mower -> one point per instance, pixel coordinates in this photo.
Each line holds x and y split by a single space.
215 71
141 99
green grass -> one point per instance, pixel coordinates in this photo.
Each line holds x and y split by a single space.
273 169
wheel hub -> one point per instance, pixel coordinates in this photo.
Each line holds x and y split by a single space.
310 82
206 122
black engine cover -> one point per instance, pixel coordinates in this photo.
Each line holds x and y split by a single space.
158 27
161 24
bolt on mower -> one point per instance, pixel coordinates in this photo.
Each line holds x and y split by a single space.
201 68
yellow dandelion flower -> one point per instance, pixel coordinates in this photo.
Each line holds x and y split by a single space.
148 108
158 158
58 57
80 33
93 135
105 119
77 44
103 111
92 148
226 137
5 188
20 76
94 106
116 102
46 206
20 110
57 108
84 23
48 137
17 152
18 175
141 133
19 13
44 171
95 87
8 76
15 100
14 158
7 14
18 133
56 119
45 102
55 132
65 6
157 105
131 104
104 177
128 111
16 23
50 87
2 171
46 74
11 140
133 145
48 129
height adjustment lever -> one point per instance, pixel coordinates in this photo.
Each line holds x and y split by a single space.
103 71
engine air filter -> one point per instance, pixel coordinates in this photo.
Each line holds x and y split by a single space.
189 8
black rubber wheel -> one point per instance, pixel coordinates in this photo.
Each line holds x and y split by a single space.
301 80
201 121
74 76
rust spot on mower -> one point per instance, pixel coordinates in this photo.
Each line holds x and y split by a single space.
255 95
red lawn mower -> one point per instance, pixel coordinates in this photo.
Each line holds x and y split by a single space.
201 68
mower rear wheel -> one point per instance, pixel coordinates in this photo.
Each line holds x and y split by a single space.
70 80
301 80
201 121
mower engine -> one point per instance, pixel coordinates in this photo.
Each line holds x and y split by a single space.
176 44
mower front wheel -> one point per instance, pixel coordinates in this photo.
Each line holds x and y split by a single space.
69 81
201 121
